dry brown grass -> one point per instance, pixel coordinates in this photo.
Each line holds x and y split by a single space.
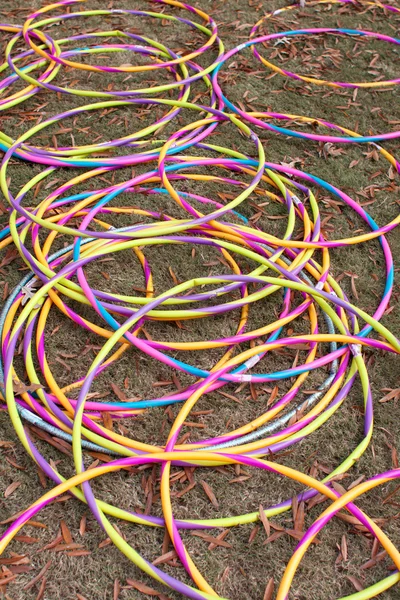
243 570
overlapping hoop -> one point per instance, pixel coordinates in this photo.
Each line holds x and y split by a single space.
294 269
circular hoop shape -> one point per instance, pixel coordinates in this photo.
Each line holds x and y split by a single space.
55 58
339 31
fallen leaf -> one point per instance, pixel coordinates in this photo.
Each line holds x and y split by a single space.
269 590
211 539
343 547
391 395
20 388
210 494
11 488
356 582
117 589
41 589
166 557
65 532
264 521
141 587
39 576
26 539
253 534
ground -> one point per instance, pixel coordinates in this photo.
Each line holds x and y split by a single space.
243 569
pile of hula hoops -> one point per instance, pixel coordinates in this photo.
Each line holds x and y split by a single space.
66 231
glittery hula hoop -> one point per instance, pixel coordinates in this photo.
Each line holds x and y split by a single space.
328 30
286 266
339 31
55 58
6 141
201 457
261 118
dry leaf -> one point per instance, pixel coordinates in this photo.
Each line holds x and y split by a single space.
211 539
39 576
219 537
356 582
392 394
117 589
269 590
66 533
41 589
343 547
11 488
264 521
20 388
253 533
26 539
118 392
82 526
166 557
210 494
141 587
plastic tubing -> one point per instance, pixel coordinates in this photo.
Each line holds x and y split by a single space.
297 270
357 4
54 55
259 118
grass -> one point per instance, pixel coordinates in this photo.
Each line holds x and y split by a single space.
243 570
